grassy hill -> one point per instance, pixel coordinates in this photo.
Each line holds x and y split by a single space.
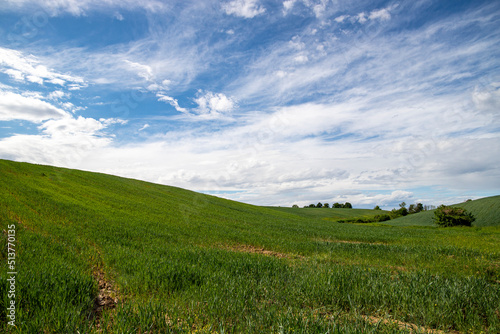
486 210
95 253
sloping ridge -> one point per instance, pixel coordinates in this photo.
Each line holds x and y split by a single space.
39 194
76 212
486 210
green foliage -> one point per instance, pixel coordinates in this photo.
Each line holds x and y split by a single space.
448 216
382 218
401 212
415 208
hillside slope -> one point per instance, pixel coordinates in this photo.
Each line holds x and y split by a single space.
96 253
486 210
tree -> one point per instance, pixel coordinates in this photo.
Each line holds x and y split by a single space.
319 205
337 205
312 205
419 208
377 208
326 205
415 208
347 205
295 206
447 216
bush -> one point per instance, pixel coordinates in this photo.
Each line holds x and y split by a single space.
446 216
382 218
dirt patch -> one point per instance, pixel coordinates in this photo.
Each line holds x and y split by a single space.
350 242
259 250
107 297
413 328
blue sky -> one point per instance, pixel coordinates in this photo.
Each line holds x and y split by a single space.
265 102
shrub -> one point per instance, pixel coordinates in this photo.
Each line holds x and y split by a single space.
446 216
382 218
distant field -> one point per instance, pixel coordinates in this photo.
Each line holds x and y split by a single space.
330 213
101 254
486 210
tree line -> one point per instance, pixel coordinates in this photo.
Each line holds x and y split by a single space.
346 205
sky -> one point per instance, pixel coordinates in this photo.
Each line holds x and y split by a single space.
265 102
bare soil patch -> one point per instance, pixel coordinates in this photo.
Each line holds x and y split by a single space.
258 250
413 328
350 242
107 297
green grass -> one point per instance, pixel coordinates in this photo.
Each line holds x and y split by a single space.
486 210
183 262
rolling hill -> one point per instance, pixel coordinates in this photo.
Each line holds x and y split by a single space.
486 210
94 253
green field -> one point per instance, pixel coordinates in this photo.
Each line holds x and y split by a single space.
101 254
331 214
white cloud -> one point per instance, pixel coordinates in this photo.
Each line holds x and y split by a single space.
301 59
71 126
320 8
144 71
487 98
35 79
296 43
361 17
56 95
22 67
214 104
173 102
119 16
341 18
243 8
381 14
288 5
60 82
163 86
144 127
15 74
365 199
17 107
63 142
